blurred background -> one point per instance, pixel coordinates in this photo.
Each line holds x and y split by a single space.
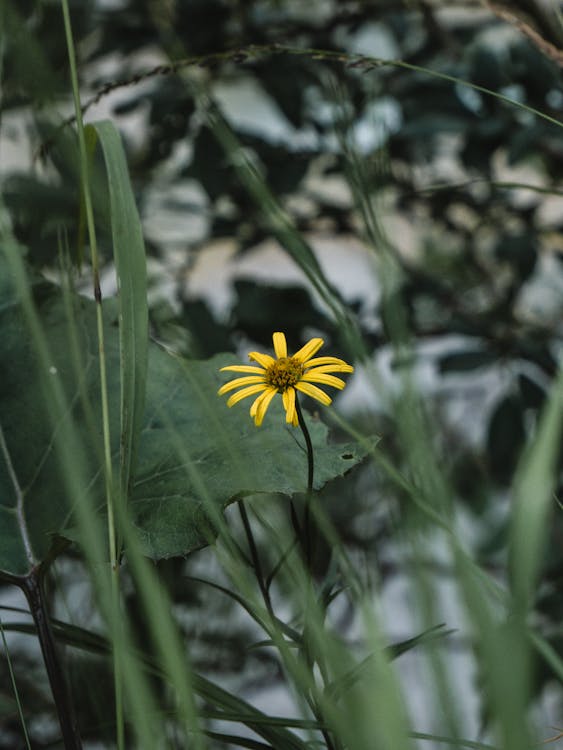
430 208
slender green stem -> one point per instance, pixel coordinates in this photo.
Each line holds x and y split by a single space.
308 541
309 444
307 535
255 557
117 664
32 586
85 179
295 520
85 182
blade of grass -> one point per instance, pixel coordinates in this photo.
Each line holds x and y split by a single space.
14 685
533 491
130 261
108 471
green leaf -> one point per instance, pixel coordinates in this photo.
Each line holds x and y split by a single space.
534 495
505 438
195 455
129 254
466 361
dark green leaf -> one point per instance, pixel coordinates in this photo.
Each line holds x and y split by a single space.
470 359
505 438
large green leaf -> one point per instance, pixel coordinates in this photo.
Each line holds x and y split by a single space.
195 454
221 455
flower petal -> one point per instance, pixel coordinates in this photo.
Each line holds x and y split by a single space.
310 348
339 365
321 377
311 390
239 383
288 397
260 406
242 368
280 345
236 397
263 359
256 403
330 368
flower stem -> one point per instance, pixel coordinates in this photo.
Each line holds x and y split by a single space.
307 535
308 543
309 444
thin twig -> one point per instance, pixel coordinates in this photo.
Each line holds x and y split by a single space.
541 43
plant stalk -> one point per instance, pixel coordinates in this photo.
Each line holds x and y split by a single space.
308 541
309 444
32 586
307 535
114 551
255 557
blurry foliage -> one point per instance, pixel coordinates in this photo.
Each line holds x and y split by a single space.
480 246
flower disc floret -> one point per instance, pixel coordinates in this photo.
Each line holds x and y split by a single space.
285 375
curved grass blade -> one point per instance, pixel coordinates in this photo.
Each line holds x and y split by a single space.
534 487
130 261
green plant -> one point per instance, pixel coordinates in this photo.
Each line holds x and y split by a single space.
119 460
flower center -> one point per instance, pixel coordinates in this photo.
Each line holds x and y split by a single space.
284 373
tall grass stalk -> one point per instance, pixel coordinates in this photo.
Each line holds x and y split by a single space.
108 469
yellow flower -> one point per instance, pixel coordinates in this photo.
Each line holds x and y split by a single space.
285 375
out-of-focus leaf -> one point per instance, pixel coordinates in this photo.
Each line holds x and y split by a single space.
519 251
533 396
202 25
465 361
505 438
38 210
171 106
210 166
285 168
292 304
533 70
29 57
286 79
207 335
431 125
486 68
